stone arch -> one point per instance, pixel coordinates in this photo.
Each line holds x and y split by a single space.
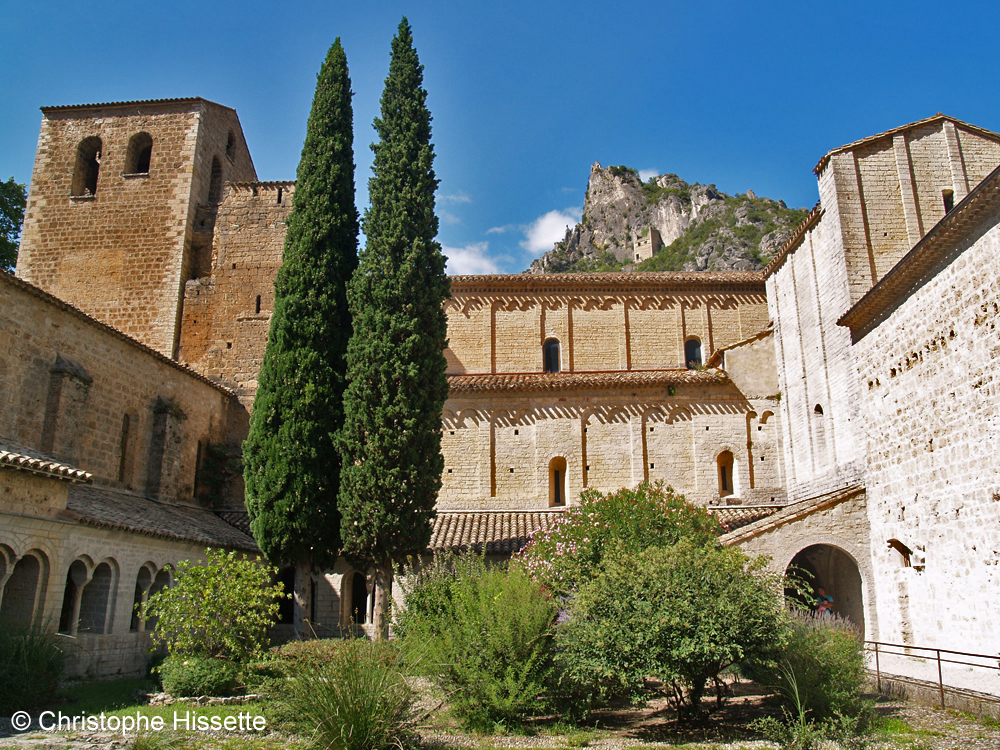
726 474
557 482
23 597
164 579
143 582
88 167
551 356
97 599
354 599
834 569
77 576
139 154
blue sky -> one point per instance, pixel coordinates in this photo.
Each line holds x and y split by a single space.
527 95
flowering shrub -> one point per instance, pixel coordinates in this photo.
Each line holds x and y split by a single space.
569 554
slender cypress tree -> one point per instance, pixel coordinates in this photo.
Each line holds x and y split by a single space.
291 462
391 443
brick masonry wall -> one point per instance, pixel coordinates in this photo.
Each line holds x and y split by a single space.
930 402
598 330
498 448
125 380
122 254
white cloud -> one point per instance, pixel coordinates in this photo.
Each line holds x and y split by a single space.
548 229
448 218
645 174
501 230
458 197
471 259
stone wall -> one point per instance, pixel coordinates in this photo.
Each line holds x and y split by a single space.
499 324
120 387
122 253
930 401
499 448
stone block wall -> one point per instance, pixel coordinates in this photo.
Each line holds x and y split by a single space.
42 336
499 449
498 324
123 252
930 401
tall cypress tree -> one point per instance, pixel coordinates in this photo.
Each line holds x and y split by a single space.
291 462
391 441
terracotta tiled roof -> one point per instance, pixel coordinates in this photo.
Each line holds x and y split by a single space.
889 133
795 240
7 278
179 100
16 456
546 381
528 282
490 532
937 248
734 517
126 511
506 532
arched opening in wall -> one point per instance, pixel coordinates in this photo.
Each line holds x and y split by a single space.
819 433
550 355
286 605
143 581
726 465
948 196
88 166
557 482
692 353
96 601
215 182
76 579
124 457
830 572
160 582
357 599
20 593
231 145
139 154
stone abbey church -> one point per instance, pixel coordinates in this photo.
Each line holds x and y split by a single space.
842 413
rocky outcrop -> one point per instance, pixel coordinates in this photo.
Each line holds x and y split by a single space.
700 228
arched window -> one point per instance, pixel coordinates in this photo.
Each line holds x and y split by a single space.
76 579
550 355
143 581
140 151
725 462
20 594
557 482
97 601
231 145
88 165
215 182
692 353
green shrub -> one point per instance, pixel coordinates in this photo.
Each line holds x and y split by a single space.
31 665
570 553
221 608
357 700
484 634
821 666
683 614
193 676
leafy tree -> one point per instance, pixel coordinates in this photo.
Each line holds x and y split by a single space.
291 463
391 442
570 553
221 608
683 614
13 199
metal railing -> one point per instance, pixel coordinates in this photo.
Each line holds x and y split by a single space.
941 656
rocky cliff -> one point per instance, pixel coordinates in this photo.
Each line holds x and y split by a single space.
683 227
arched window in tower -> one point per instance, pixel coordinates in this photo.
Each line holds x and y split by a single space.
215 183
231 145
139 154
550 355
725 462
692 353
557 482
88 166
